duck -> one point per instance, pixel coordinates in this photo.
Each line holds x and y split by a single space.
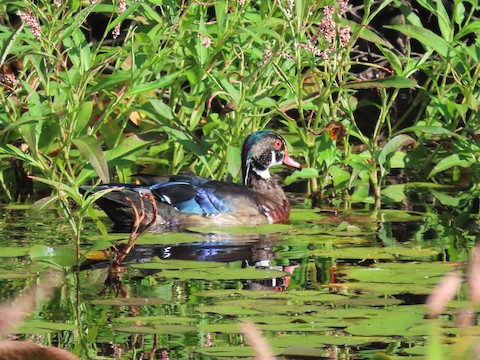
187 200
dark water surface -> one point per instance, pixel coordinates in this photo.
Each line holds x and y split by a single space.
332 284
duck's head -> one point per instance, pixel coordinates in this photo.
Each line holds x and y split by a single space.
261 150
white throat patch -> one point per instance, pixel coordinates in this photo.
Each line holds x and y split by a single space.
264 173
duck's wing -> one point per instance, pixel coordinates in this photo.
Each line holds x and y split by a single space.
204 196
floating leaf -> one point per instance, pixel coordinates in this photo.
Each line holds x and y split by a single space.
128 302
406 273
217 273
167 238
229 352
320 341
393 323
242 230
156 319
178 265
364 253
156 329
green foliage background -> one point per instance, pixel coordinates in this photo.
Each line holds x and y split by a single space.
186 81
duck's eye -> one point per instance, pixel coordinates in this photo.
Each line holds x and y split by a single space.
278 144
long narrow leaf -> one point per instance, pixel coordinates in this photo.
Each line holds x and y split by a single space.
428 38
397 82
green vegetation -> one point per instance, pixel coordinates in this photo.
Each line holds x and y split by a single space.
95 92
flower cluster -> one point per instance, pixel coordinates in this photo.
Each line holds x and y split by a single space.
122 6
289 10
9 80
342 7
268 54
28 18
345 35
330 31
327 25
206 41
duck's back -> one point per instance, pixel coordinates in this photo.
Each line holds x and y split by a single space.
183 200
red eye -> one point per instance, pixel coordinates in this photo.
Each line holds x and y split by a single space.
278 144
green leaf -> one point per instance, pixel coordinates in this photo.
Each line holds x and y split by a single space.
396 82
365 33
392 59
451 161
429 129
305 173
396 193
130 10
58 256
234 160
428 38
59 186
157 84
162 109
91 149
10 150
393 145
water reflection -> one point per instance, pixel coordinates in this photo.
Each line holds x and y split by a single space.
338 275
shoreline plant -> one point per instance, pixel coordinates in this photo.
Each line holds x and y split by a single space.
96 91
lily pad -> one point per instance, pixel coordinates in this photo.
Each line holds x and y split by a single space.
323 238
243 230
302 295
320 341
156 319
232 310
178 265
264 306
383 288
168 238
302 215
128 301
368 302
376 253
230 352
406 273
216 273
156 329
397 322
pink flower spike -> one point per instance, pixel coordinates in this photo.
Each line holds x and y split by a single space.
443 293
345 35
342 7
474 276
28 18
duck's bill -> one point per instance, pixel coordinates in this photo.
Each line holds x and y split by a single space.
287 160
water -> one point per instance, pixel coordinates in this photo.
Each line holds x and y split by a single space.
332 284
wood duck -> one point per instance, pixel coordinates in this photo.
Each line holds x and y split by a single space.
184 200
